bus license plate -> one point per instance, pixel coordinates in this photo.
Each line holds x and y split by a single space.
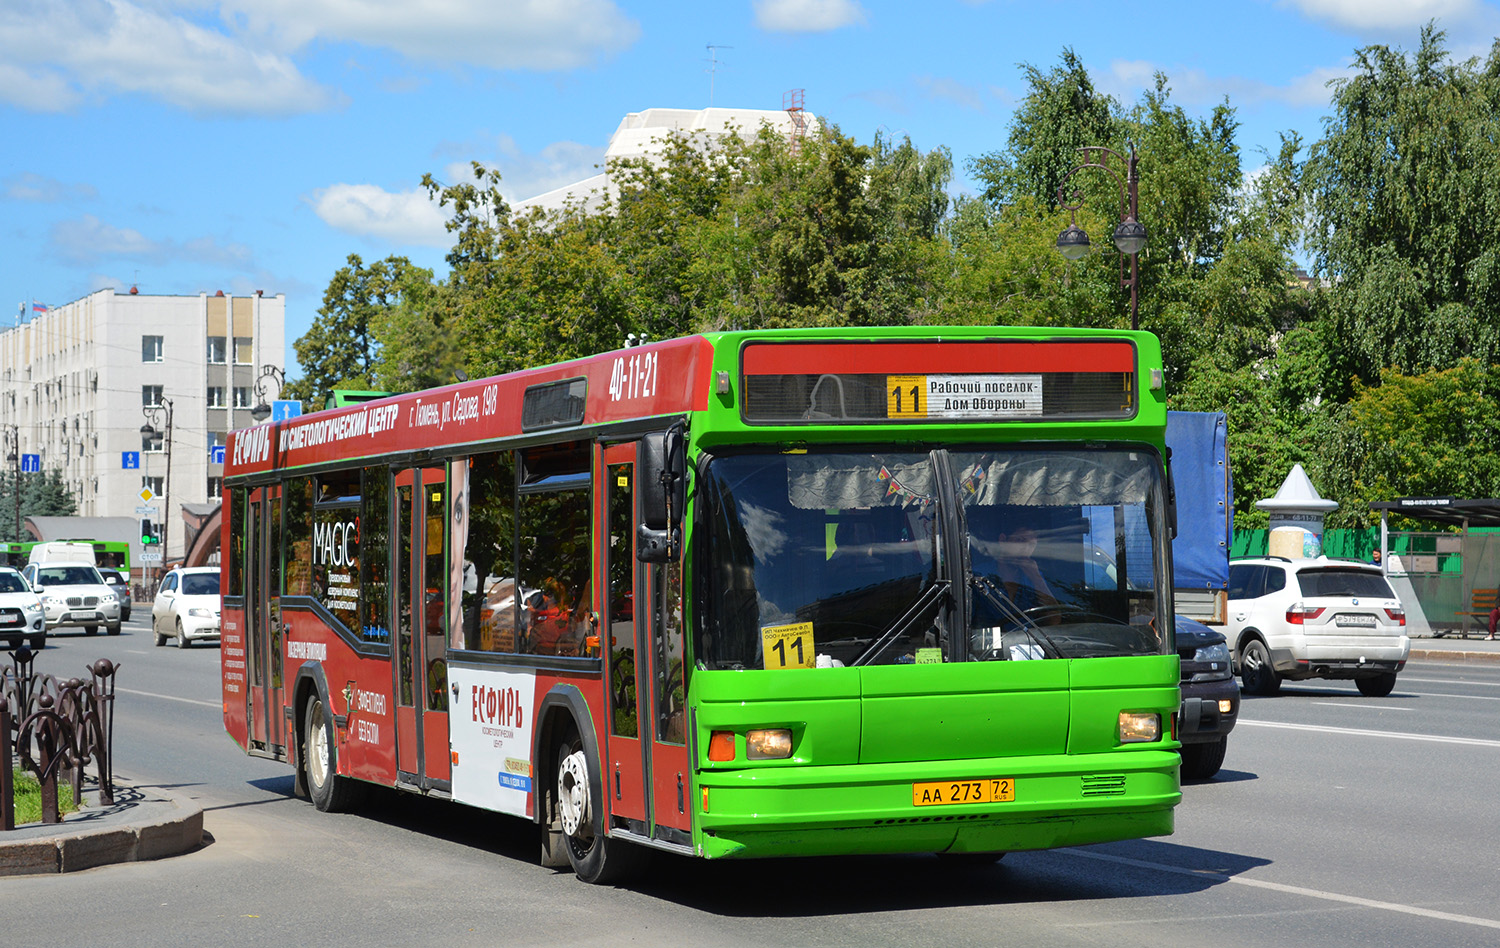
943 792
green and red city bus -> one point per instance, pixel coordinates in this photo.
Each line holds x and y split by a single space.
740 594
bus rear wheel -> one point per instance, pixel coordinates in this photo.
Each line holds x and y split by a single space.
330 792
595 858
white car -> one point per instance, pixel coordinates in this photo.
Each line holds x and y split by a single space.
21 614
1314 618
187 606
75 595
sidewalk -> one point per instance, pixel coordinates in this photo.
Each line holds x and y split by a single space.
1452 648
144 823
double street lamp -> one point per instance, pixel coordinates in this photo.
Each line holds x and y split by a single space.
155 414
13 439
1130 233
270 376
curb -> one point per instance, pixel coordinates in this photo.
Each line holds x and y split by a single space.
146 829
1452 655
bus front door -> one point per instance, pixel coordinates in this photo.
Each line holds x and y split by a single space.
641 640
421 607
264 652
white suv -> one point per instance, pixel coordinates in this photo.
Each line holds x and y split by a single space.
74 594
1314 618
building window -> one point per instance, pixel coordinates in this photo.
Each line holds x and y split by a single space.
216 439
242 353
242 396
216 396
156 484
215 487
215 350
151 396
151 348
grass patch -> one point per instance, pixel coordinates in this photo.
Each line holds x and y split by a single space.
28 796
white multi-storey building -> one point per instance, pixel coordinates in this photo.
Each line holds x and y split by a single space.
76 382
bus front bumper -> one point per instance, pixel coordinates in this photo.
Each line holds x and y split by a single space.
868 808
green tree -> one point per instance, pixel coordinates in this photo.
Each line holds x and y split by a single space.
341 349
42 495
1405 184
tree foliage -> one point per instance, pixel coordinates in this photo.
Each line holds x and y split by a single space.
1371 376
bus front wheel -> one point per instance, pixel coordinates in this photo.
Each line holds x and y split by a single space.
595 858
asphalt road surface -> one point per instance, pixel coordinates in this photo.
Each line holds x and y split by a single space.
1337 820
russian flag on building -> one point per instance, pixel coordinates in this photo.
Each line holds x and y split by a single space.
38 307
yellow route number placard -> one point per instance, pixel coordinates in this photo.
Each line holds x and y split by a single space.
788 646
906 396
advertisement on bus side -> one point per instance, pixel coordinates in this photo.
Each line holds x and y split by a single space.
490 735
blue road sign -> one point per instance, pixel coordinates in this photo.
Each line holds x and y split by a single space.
31 463
282 409
130 460
216 454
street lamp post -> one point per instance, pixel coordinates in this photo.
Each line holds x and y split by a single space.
269 375
1130 233
13 438
154 414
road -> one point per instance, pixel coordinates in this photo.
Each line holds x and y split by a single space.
1338 820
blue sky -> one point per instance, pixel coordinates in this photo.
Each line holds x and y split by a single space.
198 145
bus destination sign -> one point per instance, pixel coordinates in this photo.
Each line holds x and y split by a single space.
963 396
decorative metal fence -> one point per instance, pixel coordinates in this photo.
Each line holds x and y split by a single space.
54 727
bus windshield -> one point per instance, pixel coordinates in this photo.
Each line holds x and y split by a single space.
1025 553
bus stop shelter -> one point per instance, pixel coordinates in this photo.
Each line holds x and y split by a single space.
1447 577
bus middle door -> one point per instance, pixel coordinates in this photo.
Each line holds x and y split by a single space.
421 610
264 650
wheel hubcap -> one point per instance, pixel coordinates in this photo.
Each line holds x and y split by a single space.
573 793
317 751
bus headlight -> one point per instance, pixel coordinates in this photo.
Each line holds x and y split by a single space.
768 744
1139 726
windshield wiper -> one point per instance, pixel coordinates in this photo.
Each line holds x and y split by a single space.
926 603
1013 613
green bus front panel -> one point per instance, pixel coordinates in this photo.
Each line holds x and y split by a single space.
863 739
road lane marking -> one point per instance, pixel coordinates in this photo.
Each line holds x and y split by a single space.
1293 889
1362 732
152 694
1452 681
1362 705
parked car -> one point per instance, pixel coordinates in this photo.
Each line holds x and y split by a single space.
22 617
74 595
1315 618
1210 698
187 606
121 589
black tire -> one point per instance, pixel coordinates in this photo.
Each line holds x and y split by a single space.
37 642
113 628
91 630
329 792
160 638
1201 761
595 858
1378 686
182 639
1256 672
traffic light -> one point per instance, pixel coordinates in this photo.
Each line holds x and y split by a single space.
148 532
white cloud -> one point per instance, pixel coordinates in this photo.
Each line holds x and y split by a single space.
364 210
1126 79
235 56
559 164
87 240
39 189
1363 15
518 34
951 90
62 52
807 16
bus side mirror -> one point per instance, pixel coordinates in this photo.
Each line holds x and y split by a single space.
662 462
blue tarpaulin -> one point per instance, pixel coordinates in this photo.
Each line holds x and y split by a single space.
1205 499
